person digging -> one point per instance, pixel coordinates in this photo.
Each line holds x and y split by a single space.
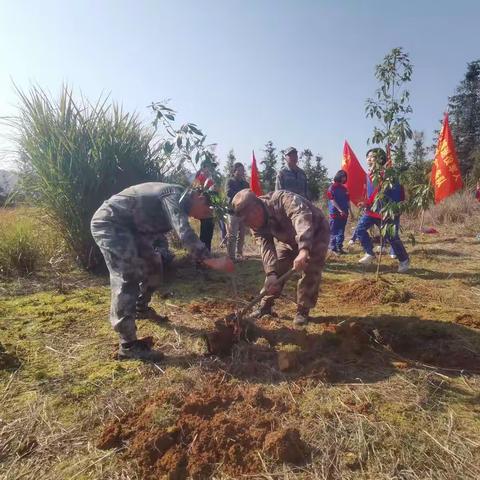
302 236
130 230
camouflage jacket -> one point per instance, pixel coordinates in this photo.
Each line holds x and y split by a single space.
292 180
293 220
151 209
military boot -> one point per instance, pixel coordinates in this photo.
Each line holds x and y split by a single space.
149 313
265 308
139 350
301 317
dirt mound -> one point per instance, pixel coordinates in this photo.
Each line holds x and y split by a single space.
286 446
372 291
468 320
188 434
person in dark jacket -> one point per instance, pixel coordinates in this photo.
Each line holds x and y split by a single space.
236 226
338 209
292 178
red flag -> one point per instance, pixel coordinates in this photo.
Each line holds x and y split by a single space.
356 176
255 185
446 177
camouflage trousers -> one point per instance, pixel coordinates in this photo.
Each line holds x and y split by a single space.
135 263
309 284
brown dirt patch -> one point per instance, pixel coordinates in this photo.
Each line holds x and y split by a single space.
211 307
189 434
468 320
371 291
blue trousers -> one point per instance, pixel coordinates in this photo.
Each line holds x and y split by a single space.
337 232
365 223
396 222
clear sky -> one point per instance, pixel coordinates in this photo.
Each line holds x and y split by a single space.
296 72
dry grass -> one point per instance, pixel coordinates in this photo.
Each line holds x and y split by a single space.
380 418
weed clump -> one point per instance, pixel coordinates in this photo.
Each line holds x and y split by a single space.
25 242
372 291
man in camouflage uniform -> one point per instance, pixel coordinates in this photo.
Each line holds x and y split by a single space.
130 230
302 234
292 177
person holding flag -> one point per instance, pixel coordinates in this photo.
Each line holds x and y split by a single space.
376 160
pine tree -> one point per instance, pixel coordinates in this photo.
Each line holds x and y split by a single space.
231 159
269 172
322 180
464 109
420 165
309 170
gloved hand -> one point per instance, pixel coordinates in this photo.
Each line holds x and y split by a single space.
224 264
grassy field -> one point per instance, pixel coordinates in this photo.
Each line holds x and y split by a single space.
384 383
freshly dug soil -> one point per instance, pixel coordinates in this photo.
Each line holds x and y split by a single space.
468 320
179 435
372 291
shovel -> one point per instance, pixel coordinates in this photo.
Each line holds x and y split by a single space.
239 316
234 328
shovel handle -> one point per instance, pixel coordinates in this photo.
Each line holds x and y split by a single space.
262 294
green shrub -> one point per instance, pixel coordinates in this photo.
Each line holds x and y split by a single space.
74 155
20 248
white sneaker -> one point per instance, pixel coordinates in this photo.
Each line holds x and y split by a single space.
367 259
392 255
404 266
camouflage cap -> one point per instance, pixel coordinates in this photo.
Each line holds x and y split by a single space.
243 199
290 150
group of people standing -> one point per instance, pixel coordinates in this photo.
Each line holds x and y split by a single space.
339 208
293 179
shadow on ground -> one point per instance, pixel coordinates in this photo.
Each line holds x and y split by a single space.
341 349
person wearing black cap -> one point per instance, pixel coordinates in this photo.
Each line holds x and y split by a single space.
128 228
292 177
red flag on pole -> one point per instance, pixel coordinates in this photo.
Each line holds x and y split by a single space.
356 176
446 177
255 185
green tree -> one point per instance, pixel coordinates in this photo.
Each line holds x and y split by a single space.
316 173
269 172
322 179
390 105
464 109
419 164
231 159
390 108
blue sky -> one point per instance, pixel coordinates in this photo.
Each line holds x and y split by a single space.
294 72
